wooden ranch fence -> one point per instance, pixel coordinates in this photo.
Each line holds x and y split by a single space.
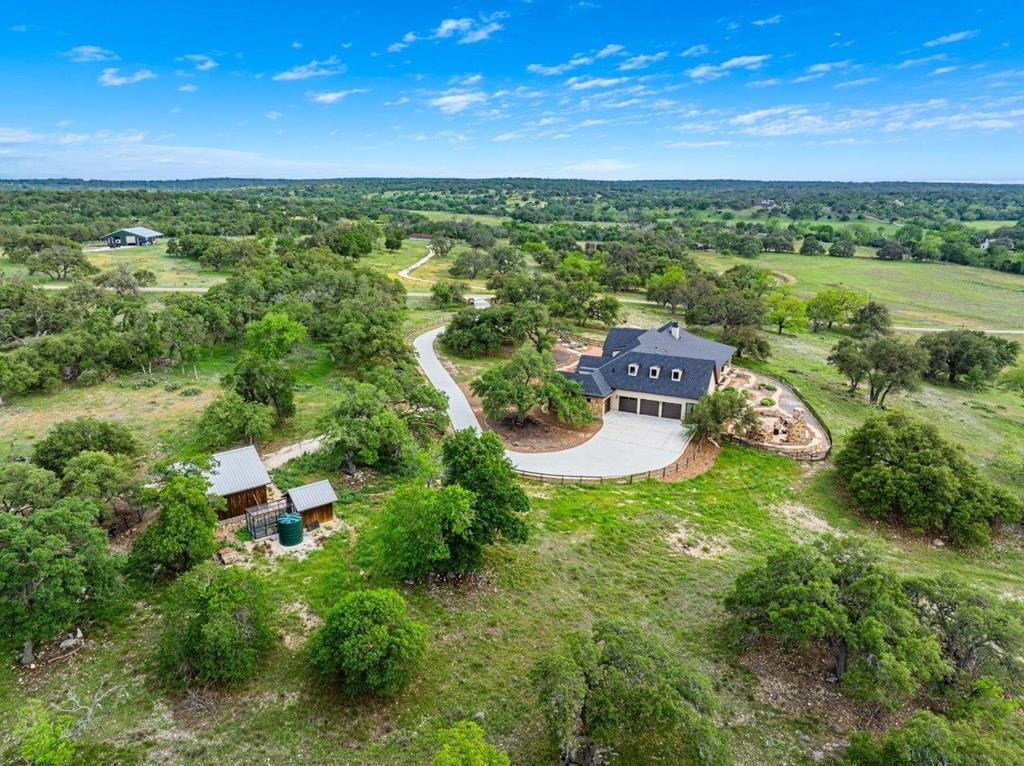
693 451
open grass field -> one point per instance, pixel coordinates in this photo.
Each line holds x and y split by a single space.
444 215
917 294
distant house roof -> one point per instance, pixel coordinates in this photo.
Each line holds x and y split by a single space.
669 348
420 235
138 231
312 495
236 470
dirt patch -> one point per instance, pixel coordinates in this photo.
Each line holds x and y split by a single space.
689 543
802 517
803 683
307 623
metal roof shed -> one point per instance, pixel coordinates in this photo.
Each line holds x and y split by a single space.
314 501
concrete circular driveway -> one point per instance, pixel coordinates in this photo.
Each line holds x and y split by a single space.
626 443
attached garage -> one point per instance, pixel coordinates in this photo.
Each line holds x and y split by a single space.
672 410
627 404
650 407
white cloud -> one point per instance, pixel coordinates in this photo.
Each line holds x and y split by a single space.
19 28
111 78
86 54
589 83
556 69
326 68
695 50
955 37
510 136
296 44
455 102
696 144
18 136
201 61
768 21
598 167
272 116
907 63
642 61
749 118
398 101
817 71
467 81
944 70
334 96
764 83
856 83
70 139
467 30
610 50
715 71
480 34
188 88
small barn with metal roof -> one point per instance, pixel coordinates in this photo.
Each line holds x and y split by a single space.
314 501
134 235
239 477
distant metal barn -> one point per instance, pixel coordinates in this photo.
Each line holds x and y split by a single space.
134 235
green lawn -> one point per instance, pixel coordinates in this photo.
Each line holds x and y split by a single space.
594 553
444 215
918 294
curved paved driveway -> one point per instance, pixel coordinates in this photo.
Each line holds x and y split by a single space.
625 444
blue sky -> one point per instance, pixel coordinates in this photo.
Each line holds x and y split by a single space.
578 88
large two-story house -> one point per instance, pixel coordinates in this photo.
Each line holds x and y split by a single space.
661 373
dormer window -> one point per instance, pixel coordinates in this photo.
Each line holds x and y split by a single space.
655 372
633 369
677 375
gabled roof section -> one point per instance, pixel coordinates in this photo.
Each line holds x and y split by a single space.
312 495
236 470
620 339
593 382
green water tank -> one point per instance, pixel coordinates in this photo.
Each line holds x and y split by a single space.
289 529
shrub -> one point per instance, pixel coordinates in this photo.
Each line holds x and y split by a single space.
900 468
721 412
464 745
767 402
230 419
217 628
44 739
67 439
422 530
368 643
182 535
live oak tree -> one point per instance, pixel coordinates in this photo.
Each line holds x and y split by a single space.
273 335
885 363
217 627
25 487
811 246
229 419
833 306
61 260
264 381
619 696
181 536
478 463
67 439
748 341
55 572
953 354
900 468
421 407
423 530
842 248
361 428
837 594
870 321
668 288
110 481
445 294
786 312
368 643
442 246
529 379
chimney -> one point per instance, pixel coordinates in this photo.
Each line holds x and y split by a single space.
674 329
